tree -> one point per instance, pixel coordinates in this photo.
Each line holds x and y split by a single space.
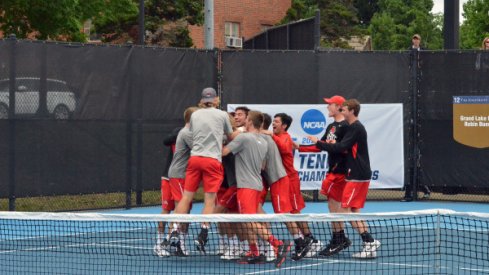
339 20
366 10
61 19
396 21
476 24
167 21
300 9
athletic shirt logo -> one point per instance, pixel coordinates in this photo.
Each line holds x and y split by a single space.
331 134
313 122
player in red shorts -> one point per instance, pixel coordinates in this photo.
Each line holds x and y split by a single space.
176 173
358 173
281 123
167 202
277 178
334 183
208 126
250 151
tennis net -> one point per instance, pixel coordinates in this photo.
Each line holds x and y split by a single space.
415 242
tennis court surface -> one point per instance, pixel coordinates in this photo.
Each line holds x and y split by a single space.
413 242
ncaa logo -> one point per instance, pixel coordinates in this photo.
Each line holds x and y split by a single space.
313 122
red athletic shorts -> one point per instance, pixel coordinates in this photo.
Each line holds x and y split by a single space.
167 202
226 197
280 195
264 192
176 186
296 198
333 186
355 194
248 200
207 170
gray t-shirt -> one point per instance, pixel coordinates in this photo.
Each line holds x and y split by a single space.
208 127
183 146
274 169
250 150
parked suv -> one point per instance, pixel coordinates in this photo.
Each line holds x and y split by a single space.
61 102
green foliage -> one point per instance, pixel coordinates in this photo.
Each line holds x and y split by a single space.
338 20
366 10
397 20
300 9
114 20
49 19
476 24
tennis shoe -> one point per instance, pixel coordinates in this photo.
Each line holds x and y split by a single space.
369 250
174 238
282 251
252 259
315 248
181 249
302 246
335 247
161 251
230 254
270 255
202 240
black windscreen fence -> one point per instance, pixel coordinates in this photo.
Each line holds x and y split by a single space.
298 35
92 119
445 164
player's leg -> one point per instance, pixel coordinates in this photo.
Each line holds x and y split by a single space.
332 187
356 192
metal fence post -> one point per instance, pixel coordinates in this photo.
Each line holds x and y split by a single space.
11 121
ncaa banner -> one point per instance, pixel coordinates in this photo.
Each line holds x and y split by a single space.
384 125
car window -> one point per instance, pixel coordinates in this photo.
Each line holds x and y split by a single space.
57 86
27 85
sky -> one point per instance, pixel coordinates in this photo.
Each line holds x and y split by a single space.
438 7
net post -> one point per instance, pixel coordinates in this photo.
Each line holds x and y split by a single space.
315 195
11 121
128 162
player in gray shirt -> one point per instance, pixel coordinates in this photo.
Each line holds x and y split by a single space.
250 151
208 126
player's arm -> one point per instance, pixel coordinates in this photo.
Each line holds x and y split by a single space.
234 146
345 144
225 151
282 144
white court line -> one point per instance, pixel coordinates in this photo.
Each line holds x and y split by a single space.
475 269
349 262
70 235
81 245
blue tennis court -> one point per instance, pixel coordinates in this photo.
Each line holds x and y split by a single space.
415 243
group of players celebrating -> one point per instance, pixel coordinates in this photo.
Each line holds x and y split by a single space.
238 161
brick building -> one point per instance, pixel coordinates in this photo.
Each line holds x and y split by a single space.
241 19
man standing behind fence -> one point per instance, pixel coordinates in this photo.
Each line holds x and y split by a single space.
208 125
358 173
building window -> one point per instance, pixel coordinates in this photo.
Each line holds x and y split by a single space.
231 29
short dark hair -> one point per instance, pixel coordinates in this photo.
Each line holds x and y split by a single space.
267 120
354 105
245 109
285 118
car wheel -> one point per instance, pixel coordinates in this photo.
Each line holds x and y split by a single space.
61 112
3 111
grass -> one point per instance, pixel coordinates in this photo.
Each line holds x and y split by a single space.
84 202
